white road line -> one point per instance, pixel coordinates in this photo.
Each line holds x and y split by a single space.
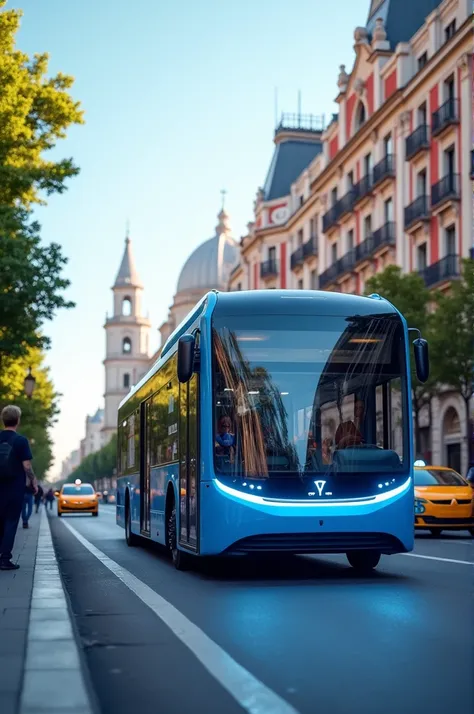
434 557
459 542
252 695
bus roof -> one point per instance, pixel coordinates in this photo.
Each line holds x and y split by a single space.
310 302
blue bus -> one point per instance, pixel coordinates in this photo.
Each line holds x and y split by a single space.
274 421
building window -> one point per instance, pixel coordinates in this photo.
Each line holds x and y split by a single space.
272 254
367 164
334 252
421 183
422 115
239 286
300 285
350 240
449 92
449 161
388 145
314 279
315 226
388 210
422 60
126 345
449 31
334 196
360 116
126 306
126 380
421 257
301 200
368 226
350 180
300 237
450 239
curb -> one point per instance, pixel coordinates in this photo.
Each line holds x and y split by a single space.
53 680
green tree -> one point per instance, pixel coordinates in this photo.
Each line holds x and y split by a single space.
39 412
35 111
407 291
453 336
101 464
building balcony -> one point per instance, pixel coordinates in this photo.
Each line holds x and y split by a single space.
269 269
363 188
417 211
330 218
384 169
310 248
346 203
417 141
343 265
297 257
447 268
444 117
382 237
447 189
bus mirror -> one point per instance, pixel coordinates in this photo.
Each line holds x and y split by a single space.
422 360
186 346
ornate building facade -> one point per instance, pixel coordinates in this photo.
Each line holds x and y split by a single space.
127 340
390 181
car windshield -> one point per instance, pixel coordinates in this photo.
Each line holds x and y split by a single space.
297 394
83 490
438 477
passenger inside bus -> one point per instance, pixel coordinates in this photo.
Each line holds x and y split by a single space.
225 439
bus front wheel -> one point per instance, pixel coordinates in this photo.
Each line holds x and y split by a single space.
363 560
180 559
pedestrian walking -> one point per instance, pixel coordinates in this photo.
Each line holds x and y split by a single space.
27 509
38 497
16 474
49 499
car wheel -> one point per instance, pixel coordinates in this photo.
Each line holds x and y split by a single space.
363 560
179 558
132 539
436 532
96 514
59 514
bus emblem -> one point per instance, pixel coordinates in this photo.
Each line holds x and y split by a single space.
320 485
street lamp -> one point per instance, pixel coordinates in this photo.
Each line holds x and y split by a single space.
29 384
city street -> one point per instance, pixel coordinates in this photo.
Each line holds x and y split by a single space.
299 634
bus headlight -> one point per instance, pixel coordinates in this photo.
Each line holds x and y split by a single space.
419 507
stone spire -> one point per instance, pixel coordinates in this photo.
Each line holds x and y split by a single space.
127 275
223 226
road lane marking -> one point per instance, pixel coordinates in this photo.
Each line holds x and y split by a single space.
459 542
252 695
435 557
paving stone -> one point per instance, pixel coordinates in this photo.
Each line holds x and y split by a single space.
69 691
40 655
51 613
52 630
11 671
14 619
40 603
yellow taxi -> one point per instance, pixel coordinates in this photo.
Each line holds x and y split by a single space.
444 500
78 497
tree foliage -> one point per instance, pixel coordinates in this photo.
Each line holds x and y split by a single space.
39 412
101 464
409 294
452 340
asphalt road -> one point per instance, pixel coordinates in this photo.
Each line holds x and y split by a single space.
304 634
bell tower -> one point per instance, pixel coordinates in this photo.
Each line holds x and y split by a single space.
127 340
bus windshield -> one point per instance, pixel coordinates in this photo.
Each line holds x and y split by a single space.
296 395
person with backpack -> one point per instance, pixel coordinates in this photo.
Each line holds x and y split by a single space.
16 475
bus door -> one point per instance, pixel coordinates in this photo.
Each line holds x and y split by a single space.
188 464
145 423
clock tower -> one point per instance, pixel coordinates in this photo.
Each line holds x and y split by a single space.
127 340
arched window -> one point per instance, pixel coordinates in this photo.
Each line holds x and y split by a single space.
126 345
360 116
126 380
126 306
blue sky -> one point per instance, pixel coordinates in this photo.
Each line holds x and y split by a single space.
179 102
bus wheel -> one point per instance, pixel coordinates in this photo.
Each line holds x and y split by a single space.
436 532
180 559
363 560
130 537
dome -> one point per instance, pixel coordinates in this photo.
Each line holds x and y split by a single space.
210 265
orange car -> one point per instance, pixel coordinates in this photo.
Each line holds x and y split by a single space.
444 500
78 498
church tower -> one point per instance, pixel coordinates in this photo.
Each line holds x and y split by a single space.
127 341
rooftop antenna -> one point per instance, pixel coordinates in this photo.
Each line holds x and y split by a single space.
127 230
223 194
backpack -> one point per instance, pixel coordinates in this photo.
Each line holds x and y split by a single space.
6 466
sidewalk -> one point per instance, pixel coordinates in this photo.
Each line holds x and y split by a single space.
15 601
40 664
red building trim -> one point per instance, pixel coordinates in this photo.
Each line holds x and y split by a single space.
434 177
333 147
255 276
283 265
390 84
350 106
